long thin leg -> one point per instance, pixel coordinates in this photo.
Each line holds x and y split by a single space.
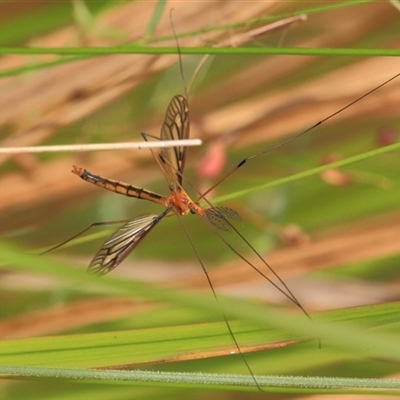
81 232
219 306
297 135
288 293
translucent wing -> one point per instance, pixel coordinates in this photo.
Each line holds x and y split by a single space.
175 127
121 243
218 216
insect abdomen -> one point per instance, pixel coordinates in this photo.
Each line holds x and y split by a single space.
119 187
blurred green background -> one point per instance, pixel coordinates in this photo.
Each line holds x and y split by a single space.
332 237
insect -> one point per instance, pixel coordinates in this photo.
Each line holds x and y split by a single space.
172 160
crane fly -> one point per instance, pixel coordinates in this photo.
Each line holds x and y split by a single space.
172 160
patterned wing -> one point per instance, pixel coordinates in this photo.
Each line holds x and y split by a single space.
175 127
121 243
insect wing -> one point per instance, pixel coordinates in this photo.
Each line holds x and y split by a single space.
175 127
218 216
121 243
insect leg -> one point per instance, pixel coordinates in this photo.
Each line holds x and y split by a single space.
82 232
